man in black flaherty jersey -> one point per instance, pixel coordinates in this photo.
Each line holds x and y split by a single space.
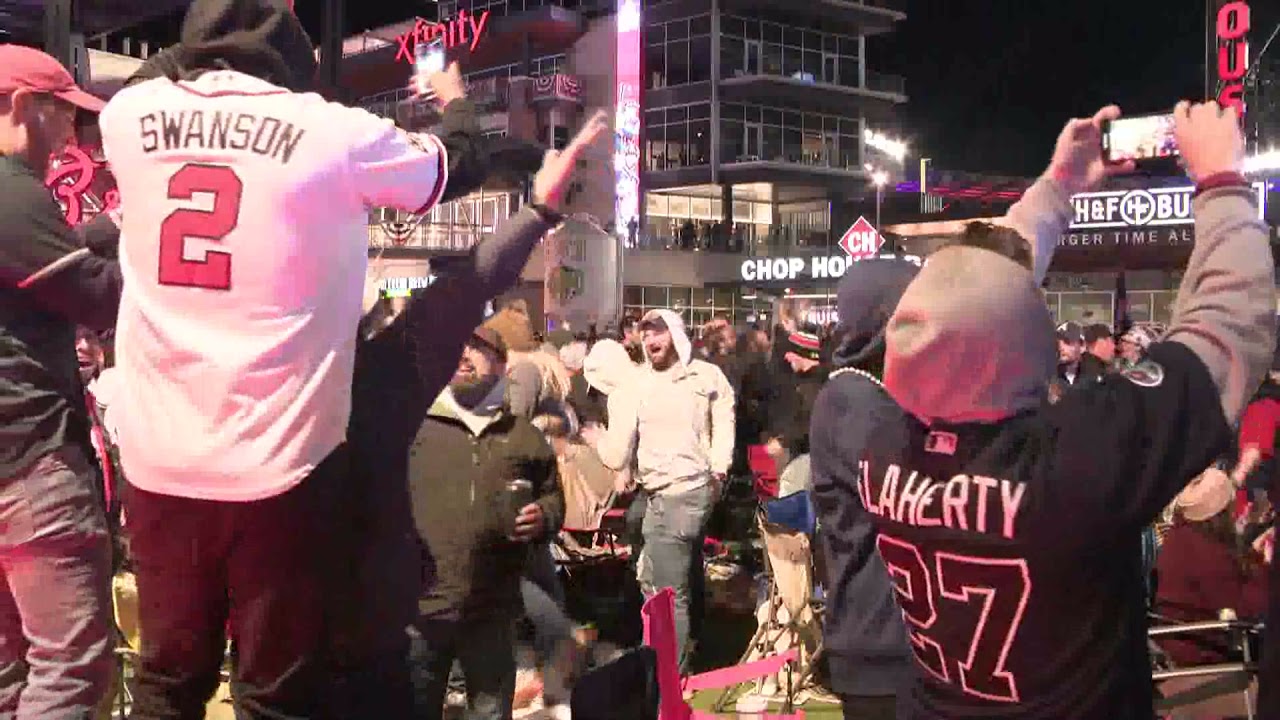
1011 528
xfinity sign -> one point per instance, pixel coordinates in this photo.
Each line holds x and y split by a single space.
1153 207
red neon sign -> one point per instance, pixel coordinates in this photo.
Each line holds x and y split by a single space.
1233 53
465 29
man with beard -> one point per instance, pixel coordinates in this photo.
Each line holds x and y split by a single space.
401 367
466 452
1011 528
675 418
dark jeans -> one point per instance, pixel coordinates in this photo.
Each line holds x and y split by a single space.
485 649
543 599
55 583
266 567
857 707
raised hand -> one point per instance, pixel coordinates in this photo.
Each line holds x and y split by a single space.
444 86
1209 138
558 165
1078 164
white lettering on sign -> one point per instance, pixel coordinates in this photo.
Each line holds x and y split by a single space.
820 267
1143 207
406 283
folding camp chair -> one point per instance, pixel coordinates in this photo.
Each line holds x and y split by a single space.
790 619
1210 691
659 613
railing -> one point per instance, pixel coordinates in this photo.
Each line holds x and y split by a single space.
439 238
880 82
759 240
875 82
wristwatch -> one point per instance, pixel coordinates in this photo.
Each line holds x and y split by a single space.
549 216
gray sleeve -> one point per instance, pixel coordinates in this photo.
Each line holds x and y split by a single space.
1226 305
1041 216
524 386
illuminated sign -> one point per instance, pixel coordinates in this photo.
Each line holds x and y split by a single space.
82 185
1232 31
1153 207
794 268
626 121
404 286
861 240
465 29
895 149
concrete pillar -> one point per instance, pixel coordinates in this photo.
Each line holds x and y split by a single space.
59 16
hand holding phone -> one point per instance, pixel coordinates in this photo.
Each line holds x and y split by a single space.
428 59
1142 139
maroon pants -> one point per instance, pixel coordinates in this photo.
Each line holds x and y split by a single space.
267 566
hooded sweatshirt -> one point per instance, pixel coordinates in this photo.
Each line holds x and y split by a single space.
677 423
865 638
1012 528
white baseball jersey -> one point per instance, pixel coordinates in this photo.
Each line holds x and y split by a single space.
243 250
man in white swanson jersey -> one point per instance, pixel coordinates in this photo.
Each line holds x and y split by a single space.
244 259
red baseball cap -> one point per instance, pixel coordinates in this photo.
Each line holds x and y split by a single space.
27 68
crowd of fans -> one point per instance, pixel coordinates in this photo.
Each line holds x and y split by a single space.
404 501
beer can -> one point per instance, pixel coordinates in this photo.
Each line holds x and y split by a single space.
519 494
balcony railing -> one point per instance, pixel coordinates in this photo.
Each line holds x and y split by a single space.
436 238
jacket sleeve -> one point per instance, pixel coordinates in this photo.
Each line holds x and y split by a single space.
1041 216
86 290
473 158
617 445
550 489
1226 305
441 317
723 432
1259 425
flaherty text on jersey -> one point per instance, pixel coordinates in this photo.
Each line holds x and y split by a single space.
972 503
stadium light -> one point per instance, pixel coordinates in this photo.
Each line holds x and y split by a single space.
895 149
879 178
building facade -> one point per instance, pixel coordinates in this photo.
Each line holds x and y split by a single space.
752 116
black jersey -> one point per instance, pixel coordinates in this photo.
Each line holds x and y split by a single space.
1015 547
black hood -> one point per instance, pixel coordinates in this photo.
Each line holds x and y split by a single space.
262 38
165 63
865 299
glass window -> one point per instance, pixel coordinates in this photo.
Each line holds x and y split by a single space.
793 36
731 137
791 144
730 25
700 25
560 137
1162 305
812 40
678 30
678 62
655 117
770 32
731 111
655 61
771 116
725 297
700 59
699 142
700 110
703 297
848 72
772 143
731 57
792 119
677 114
655 296
772 59
849 46
792 61
677 144
655 35
680 297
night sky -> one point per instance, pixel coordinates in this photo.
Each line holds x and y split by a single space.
989 91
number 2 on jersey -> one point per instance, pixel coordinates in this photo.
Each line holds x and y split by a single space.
1002 586
214 271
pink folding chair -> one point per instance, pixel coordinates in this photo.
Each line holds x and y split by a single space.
659 613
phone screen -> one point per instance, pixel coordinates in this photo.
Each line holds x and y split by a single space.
429 57
1144 137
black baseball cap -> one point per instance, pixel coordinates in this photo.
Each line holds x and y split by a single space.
1070 332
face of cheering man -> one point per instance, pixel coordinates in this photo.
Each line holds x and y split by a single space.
89 354
658 344
479 369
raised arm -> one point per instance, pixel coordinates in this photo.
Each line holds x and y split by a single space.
1225 310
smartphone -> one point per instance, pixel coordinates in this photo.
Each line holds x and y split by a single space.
1141 138
428 58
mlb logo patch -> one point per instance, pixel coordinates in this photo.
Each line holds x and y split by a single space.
941 443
